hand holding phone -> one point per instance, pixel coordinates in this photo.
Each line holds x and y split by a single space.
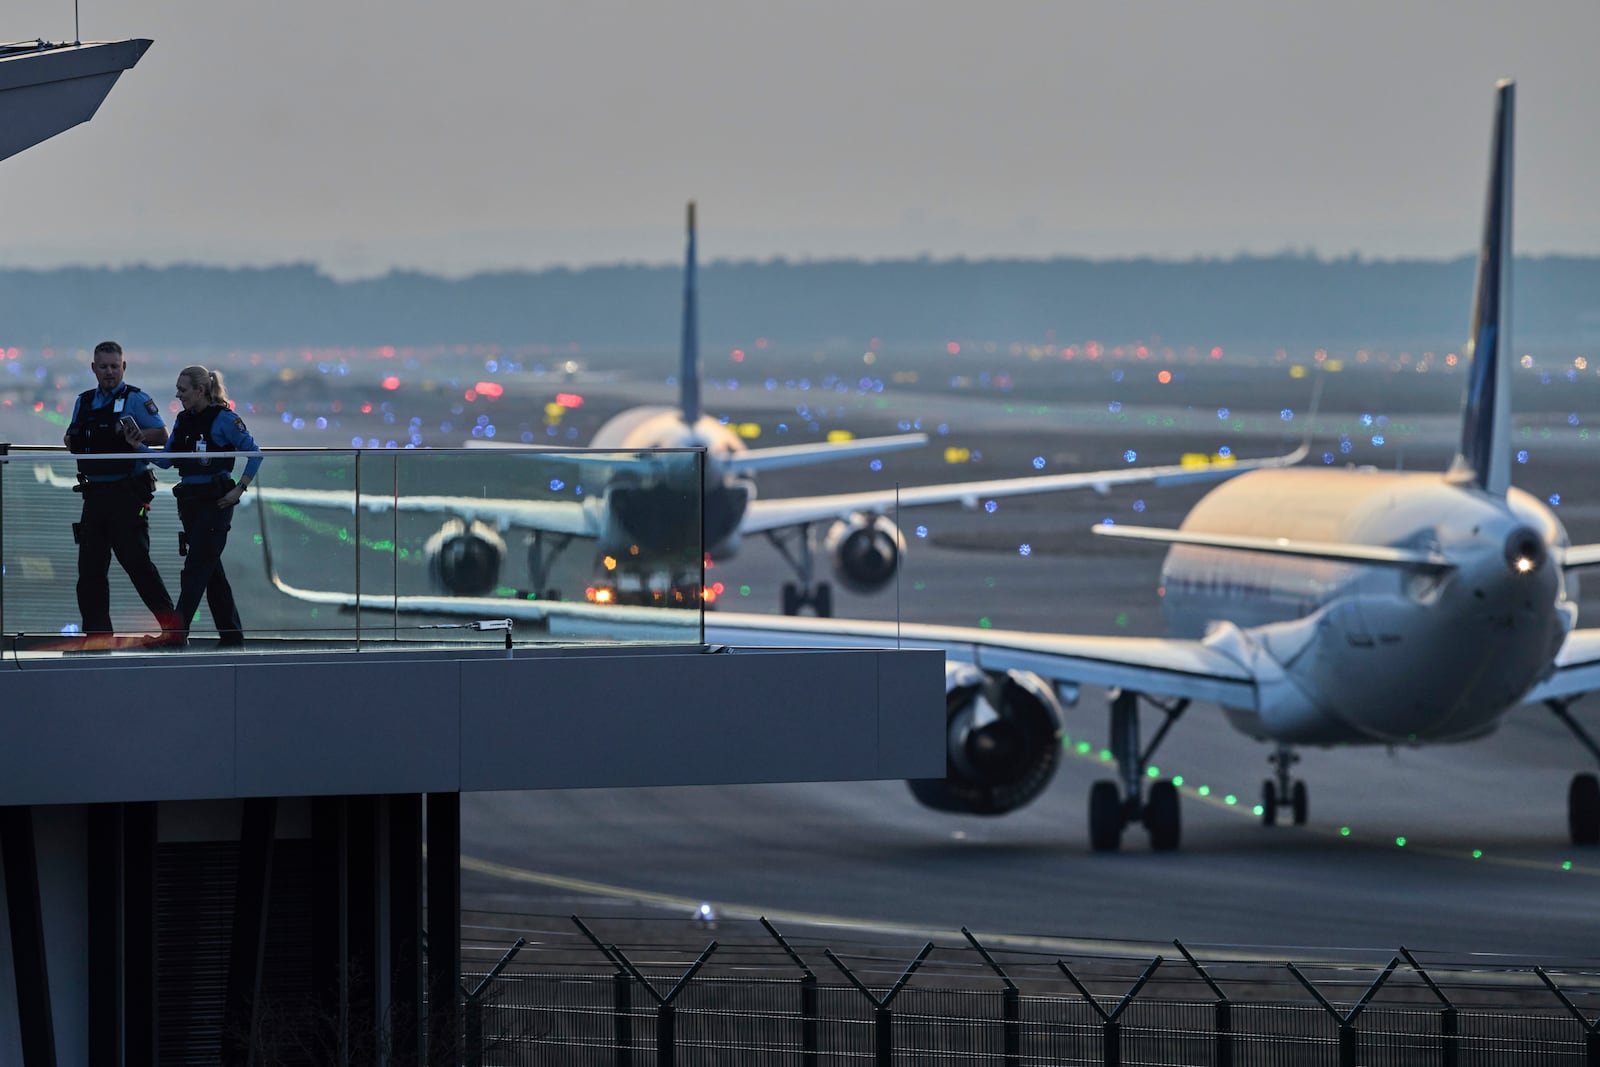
130 430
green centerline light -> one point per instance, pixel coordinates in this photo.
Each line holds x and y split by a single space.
1344 831
1105 755
1204 790
1177 779
1566 865
1084 747
1259 810
1154 772
1477 853
1230 799
1400 841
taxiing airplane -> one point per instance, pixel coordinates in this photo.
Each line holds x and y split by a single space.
1314 606
639 510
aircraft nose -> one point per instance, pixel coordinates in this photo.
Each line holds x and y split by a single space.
1525 551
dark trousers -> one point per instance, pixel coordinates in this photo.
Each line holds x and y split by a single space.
206 527
115 521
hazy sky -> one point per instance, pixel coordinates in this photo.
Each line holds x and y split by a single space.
364 135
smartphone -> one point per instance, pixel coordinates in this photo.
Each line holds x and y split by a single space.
128 424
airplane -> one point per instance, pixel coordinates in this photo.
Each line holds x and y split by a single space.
639 560
1314 606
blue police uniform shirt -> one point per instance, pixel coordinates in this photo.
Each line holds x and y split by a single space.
135 402
227 430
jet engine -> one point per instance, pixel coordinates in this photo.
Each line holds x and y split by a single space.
464 560
1003 733
865 550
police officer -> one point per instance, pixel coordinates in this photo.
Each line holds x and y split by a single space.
209 430
116 493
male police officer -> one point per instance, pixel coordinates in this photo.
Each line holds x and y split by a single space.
116 493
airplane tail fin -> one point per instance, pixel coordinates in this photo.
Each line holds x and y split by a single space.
689 356
1485 457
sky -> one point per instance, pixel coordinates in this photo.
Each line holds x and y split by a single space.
365 136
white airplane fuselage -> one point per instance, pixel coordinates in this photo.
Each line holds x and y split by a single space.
1353 653
726 495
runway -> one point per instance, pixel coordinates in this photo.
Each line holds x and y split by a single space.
1459 848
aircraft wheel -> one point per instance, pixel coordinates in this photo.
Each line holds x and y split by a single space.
1105 816
1583 810
1269 803
1300 803
1161 816
823 601
791 598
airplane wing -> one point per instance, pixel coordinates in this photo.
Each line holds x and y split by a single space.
1339 552
768 459
776 514
1577 669
1574 556
1173 667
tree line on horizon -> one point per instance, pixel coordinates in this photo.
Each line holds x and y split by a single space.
1283 299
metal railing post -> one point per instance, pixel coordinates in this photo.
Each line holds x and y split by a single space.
621 1000
473 1001
1111 1030
1010 1005
1449 1038
357 521
666 1037
5 450
1348 1038
882 1015
810 999
1591 1033
1223 1021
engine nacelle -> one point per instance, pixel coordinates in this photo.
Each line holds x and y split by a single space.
1003 733
465 560
865 550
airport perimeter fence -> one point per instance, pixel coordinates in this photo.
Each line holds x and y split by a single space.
751 994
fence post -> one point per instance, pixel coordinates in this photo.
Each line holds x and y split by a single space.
1348 1043
1591 1034
474 1005
1224 1010
883 1017
666 1035
1448 1040
1111 1030
810 1001
1010 1002
621 999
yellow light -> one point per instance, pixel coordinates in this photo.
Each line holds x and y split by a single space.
749 430
1333 366
957 455
840 436
554 411
869 358
1297 371
1219 460
1195 459
610 563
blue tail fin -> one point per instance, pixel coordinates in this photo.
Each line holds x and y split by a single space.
1486 412
689 357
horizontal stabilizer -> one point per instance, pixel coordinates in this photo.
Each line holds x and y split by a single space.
1385 555
768 459
1575 556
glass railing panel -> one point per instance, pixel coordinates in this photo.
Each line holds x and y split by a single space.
572 547
357 549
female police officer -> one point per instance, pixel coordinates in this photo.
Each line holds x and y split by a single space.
206 494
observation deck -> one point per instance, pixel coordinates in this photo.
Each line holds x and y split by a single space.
418 625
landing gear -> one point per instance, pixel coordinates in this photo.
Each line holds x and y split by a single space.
794 545
1281 789
540 561
1583 795
1115 805
1583 809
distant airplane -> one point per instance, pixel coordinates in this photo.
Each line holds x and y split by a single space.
1316 607
862 544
